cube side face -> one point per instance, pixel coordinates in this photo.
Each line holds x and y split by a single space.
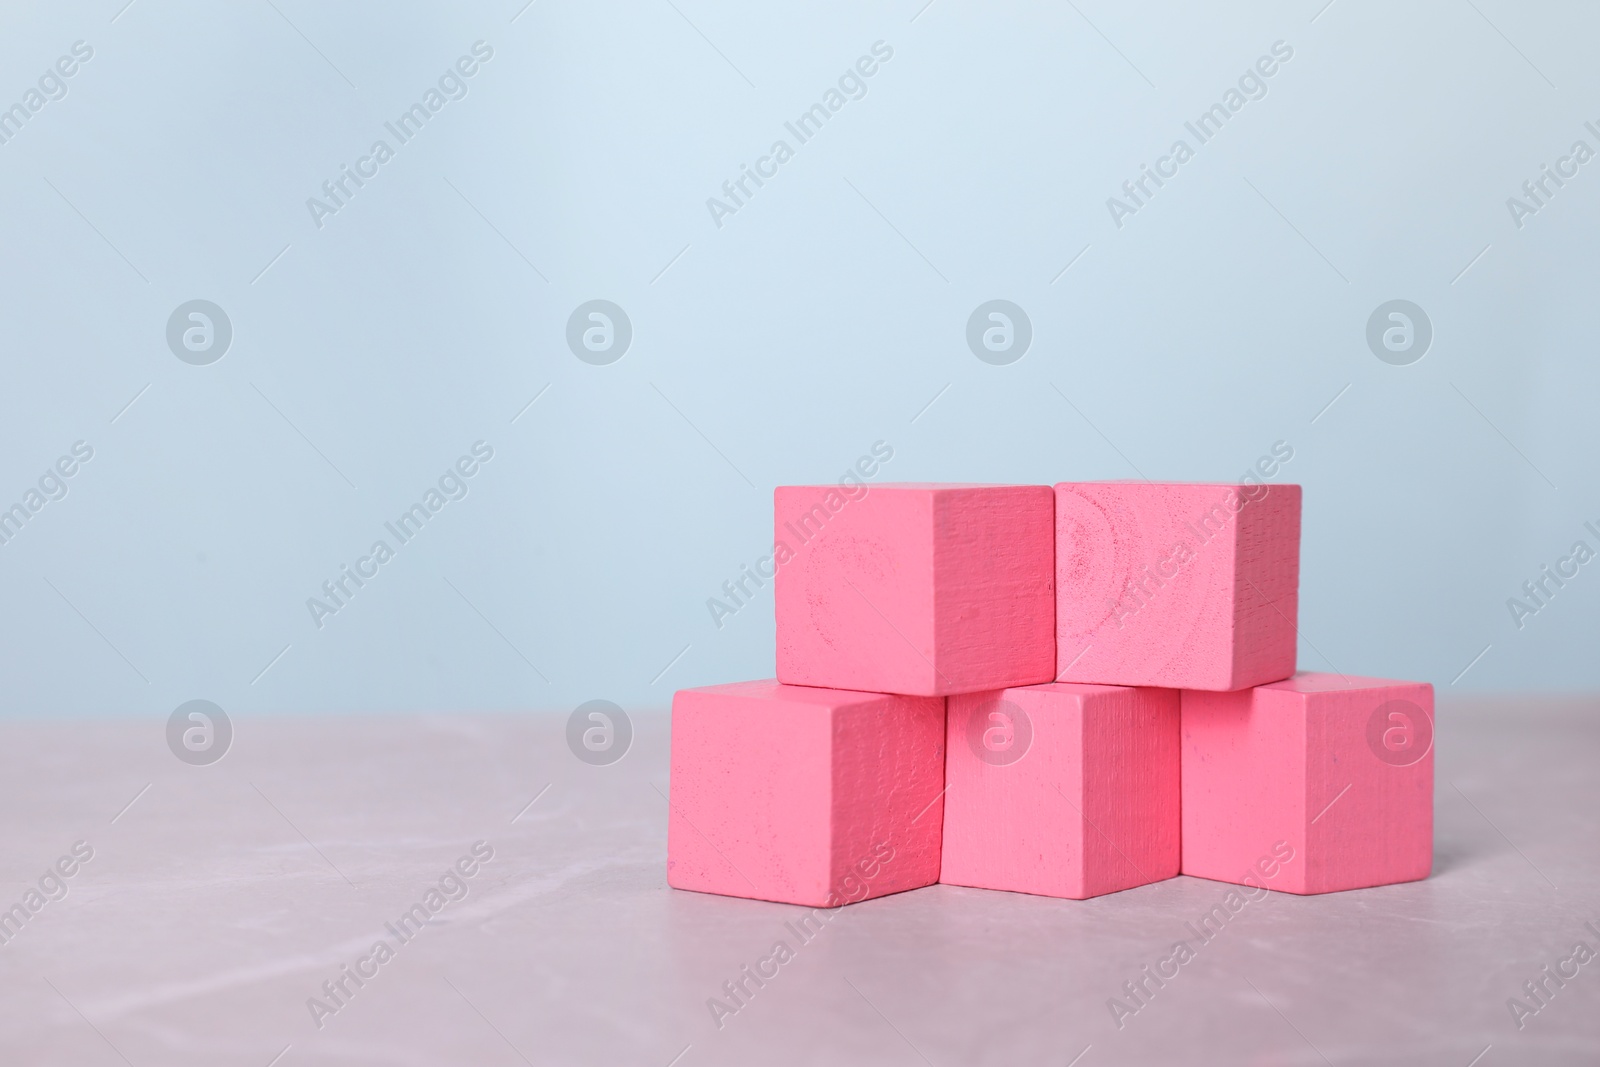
994 587
1145 584
1266 587
1012 811
1131 788
1369 786
888 777
1243 787
854 589
750 809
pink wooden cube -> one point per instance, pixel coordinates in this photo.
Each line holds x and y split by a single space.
920 589
1061 790
1178 585
1310 785
818 797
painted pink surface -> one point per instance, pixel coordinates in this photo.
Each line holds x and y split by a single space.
1334 773
804 796
918 589
1089 807
1180 585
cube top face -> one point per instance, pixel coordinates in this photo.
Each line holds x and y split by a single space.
923 590
1331 783
923 487
1318 682
1188 586
760 696
1062 790
805 796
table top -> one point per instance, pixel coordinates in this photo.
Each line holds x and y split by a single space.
211 908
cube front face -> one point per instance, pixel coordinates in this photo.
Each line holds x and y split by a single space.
1061 790
915 589
1132 792
1243 789
1176 585
1369 783
804 796
1311 785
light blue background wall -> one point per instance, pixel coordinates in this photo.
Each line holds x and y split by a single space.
824 316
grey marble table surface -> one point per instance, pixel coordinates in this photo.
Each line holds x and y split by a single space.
222 915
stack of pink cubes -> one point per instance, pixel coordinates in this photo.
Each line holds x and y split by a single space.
1066 692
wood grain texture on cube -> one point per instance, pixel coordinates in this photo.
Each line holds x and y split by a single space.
1179 585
